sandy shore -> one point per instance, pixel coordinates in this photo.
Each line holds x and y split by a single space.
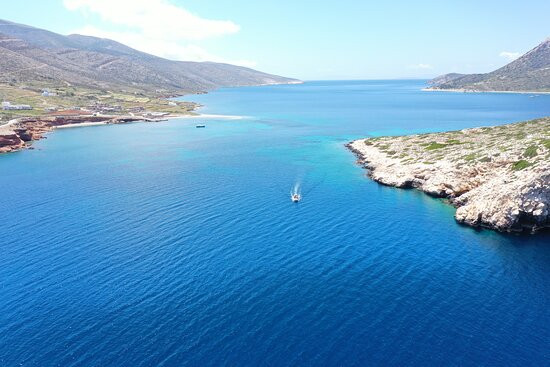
208 117
164 118
29 130
7 128
295 82
82 124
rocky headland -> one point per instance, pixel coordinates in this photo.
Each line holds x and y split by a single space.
529 73
497 177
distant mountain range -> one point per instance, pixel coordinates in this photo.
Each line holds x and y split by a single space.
32 55
529 73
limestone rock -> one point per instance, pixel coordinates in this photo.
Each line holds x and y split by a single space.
497 177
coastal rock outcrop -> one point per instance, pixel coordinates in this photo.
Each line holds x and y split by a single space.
26 130
496 177
10 143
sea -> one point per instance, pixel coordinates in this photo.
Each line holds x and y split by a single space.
160 244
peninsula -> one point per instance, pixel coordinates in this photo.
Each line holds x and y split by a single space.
497 177
529 73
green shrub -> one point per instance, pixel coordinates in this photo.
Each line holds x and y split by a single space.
470 157
453 142
519 165
434 145
520 135
530 152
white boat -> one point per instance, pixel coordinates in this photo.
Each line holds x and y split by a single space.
296 198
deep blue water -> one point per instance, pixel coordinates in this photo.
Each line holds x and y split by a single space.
163 244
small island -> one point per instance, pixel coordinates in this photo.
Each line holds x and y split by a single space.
497 177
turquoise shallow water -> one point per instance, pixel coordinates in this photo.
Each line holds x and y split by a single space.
162 244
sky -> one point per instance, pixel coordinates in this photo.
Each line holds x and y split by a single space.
307 39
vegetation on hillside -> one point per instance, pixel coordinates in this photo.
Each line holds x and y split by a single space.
71 97
522 145
531 72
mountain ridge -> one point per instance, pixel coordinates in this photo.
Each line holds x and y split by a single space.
30 54
528 73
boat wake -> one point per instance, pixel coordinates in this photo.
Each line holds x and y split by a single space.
295 194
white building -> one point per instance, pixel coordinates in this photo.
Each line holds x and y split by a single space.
15 107
47 93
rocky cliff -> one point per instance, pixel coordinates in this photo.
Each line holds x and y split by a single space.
496 177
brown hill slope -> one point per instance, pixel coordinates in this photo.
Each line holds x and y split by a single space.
531 72
30 54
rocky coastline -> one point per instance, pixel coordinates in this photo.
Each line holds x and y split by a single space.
496 177
463 90
19 134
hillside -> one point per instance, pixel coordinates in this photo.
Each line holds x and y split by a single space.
43 58
529 73
446 78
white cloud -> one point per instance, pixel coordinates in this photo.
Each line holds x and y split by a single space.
164 48
155 18
510 55
421 66
157 27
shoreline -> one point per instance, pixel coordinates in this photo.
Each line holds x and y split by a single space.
18 134
480 91
208 117
82 124
294 82
23 132
494 179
